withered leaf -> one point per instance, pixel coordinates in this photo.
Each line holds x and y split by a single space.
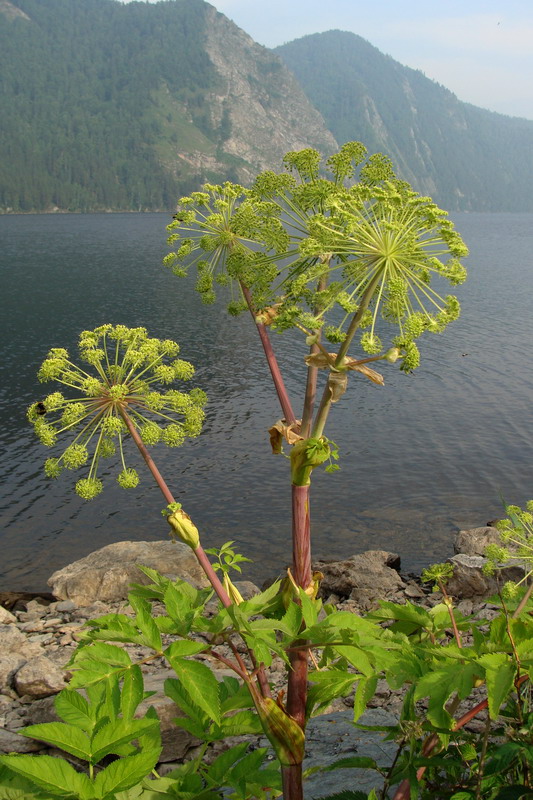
280 431
337 383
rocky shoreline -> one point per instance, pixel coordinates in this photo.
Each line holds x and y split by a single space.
40 633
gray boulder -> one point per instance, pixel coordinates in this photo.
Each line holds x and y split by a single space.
14 640
473 542
362 577
469 580
12 742
105 575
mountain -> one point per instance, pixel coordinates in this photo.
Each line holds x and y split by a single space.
465 157
112 106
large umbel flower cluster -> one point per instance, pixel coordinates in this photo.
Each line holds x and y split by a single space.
118 390
313 252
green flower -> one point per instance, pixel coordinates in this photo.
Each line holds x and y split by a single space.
128 478
89 488
76 455
52 468
123 393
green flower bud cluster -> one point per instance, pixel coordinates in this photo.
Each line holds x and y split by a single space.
128 368
128 478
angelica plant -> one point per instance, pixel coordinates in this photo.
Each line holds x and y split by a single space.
354 257
299 250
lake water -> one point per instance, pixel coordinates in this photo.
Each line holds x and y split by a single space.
421 457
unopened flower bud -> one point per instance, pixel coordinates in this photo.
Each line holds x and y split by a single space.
392 355
285 735
184 528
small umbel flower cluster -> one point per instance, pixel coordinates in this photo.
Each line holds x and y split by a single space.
516 534
118 390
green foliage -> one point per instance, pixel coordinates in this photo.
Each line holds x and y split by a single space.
95 726
415 649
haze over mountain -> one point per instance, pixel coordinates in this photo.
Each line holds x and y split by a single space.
126 107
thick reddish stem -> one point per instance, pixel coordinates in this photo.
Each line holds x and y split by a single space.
301 536
279 384
301 565
292 782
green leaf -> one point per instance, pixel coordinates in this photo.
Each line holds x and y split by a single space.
102 653
132 691
125 772
241 724
357 658
224 762
438 687
364 692
72 707
500 673
82 678
151 738
146 623
417 616
184 647
310 608
49 773
259 603
15 787
291 622
115 734
328 686
111 705
59 734
114 627
177 692
247 765
200 684
200 730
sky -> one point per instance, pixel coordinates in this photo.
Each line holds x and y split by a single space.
482 50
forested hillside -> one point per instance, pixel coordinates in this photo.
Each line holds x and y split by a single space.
112 106
465 157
